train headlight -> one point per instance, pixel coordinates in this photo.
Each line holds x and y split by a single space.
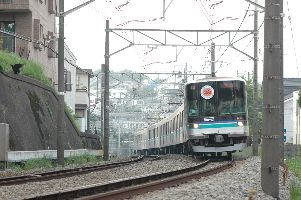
240 124
195 125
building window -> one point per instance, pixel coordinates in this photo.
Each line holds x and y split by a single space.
68 85
7 42
41 31
77 82
79 113
5 1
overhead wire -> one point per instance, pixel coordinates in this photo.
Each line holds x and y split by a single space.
242 50
235 33
293 38
27 39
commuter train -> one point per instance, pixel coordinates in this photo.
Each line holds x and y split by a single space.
213 119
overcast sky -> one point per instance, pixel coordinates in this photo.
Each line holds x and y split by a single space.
85 35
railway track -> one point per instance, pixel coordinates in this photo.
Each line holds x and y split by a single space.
64 173
124 188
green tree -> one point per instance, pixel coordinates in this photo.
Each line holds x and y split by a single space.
250 89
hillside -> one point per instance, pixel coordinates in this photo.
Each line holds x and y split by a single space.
30 108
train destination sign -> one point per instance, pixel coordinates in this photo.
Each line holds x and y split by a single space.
207 92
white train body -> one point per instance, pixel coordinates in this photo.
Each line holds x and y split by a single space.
213 119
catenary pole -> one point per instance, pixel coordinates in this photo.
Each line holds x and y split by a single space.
271 98
102 102
106 96
61 82
255 84
212 59
61 88
281 90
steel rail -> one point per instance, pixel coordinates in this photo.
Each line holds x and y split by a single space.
63 173
125 193
127 187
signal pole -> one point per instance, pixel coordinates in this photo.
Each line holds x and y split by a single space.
272 79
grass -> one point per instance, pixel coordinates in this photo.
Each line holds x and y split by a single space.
72 117
294 165
30 68
295 192
247 152
33 70
86 158
46 163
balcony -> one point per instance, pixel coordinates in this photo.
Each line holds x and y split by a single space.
14 6
82 97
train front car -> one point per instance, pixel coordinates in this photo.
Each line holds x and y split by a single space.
216 111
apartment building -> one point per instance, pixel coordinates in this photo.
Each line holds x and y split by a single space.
70 77
82 100
34 19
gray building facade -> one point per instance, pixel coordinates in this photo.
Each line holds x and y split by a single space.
34 19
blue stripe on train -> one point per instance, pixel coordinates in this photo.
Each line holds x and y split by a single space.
220 124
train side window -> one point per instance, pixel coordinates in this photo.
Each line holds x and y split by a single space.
154 136
149 137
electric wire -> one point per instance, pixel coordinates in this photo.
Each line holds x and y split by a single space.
235 33
293 38
220 67
27 39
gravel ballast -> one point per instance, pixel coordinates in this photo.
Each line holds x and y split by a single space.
166 163
235 183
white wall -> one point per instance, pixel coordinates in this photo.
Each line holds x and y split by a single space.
70 95
292 118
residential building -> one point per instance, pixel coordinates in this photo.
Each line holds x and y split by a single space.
70 78
292 119
290 85
33 19
82 99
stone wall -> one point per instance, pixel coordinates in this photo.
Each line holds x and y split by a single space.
30 109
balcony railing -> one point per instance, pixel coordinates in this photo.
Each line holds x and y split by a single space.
14 5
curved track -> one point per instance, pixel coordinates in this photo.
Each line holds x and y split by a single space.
125 188
63 173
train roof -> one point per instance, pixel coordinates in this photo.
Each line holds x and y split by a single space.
216 79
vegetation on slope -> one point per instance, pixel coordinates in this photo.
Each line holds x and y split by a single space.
30 68
33 70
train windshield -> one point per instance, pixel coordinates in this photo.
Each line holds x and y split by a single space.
215 100
207 99
231 97
192 97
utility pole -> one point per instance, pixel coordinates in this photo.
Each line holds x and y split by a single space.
272 79
61 88
96 88
106 96
255 84
61 82
185 73
281 90
102 102
212 59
